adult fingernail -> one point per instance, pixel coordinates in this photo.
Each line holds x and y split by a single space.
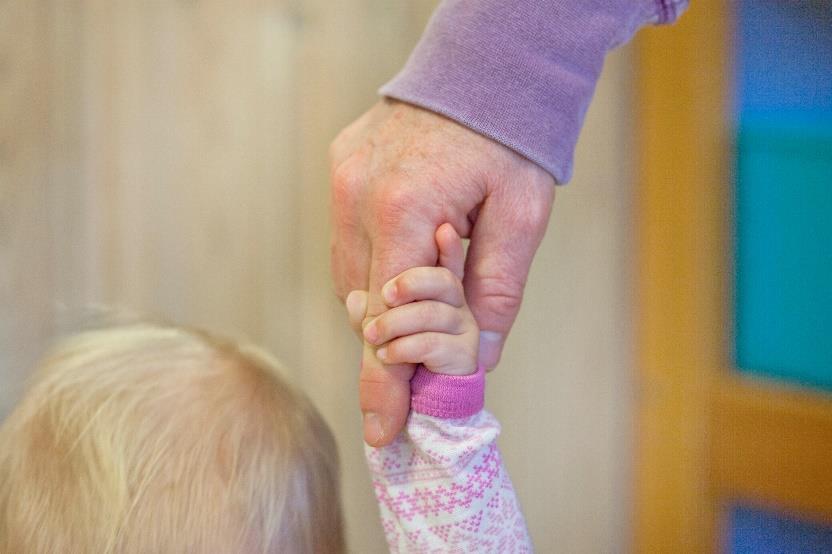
381 354
373 429
389 292
491 345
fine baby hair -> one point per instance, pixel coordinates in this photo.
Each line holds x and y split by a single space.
151 438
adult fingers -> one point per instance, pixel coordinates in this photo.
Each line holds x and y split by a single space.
384 395
402 238
415 317
509 227
349 262
349 243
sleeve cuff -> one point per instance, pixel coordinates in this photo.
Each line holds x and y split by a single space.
521 72
447 396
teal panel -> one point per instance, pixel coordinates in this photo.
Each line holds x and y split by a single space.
784 247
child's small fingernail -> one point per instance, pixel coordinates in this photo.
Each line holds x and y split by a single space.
371 333
381 353
389 291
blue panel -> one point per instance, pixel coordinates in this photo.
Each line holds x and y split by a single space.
784 190
755 531
784 55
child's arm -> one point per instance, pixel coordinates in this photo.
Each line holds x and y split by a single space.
441 485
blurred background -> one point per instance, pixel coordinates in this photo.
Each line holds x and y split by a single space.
169 158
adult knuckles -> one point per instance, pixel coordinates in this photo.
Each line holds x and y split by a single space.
346 181
530 219
498 297
504 306
394 202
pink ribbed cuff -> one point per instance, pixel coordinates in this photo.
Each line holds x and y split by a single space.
447 396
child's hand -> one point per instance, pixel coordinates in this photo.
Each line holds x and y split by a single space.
428 321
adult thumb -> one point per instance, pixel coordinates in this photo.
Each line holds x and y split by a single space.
509 227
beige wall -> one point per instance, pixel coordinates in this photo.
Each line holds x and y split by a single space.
169 158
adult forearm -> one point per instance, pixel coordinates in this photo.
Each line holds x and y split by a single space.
521 71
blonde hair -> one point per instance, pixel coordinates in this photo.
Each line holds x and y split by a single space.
147 438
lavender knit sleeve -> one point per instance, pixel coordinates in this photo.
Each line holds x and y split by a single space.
521 71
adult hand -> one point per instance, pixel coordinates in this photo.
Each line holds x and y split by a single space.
398 173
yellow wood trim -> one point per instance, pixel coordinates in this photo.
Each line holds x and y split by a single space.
772 446
706 437
681 217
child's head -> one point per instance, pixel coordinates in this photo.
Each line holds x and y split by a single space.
158 439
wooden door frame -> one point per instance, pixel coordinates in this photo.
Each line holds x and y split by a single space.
705 437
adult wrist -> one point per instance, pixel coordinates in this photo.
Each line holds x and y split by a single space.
521 72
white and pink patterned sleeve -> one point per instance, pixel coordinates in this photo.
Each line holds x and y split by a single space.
441 485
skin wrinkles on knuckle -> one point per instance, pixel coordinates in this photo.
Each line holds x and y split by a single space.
527 208
400 195
393 188
525 216
392 213
500 296
503 306
535 221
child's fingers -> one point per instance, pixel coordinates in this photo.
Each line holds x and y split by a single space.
415 317
424 283
451 253
439 352
356 303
